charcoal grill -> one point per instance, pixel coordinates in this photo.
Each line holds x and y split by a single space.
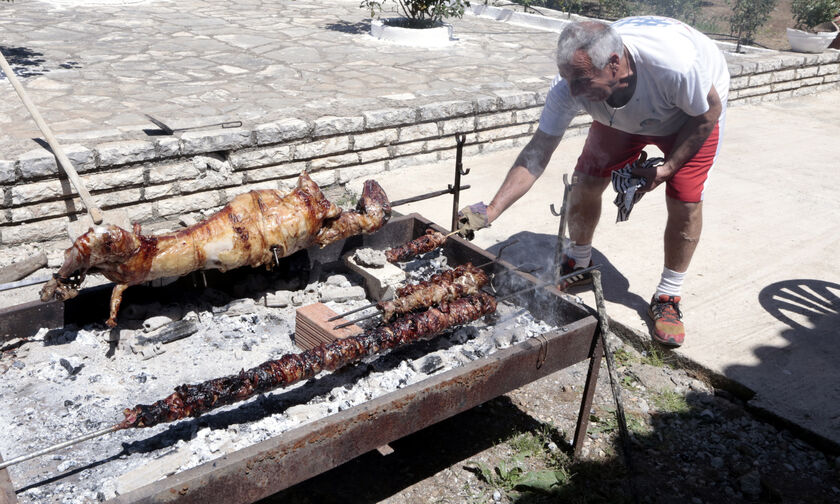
265 468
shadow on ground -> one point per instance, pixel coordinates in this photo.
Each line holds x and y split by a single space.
28 63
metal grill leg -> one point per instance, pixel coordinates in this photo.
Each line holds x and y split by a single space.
588 394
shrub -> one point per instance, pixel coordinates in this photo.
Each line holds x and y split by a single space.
747 16
810 13
421 13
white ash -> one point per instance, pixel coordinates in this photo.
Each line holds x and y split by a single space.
71 381
370 258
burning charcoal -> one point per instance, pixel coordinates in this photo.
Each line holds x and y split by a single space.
155 322
279 299
431 364
173 332
95 378
341 294
215 296
71 370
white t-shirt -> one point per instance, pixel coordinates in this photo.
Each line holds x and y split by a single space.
676 67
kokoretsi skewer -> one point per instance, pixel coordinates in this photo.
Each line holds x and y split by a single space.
194 400
425 243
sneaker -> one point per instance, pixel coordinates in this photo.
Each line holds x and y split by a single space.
668 329
567 266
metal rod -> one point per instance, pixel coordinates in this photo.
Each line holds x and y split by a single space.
371 305
498 300
93 210
422 197
65 444
460 139
550 282
24 283
603 331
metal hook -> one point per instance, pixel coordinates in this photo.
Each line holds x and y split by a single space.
460 139
554 212
543 352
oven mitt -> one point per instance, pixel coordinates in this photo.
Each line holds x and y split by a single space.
471 219
627 186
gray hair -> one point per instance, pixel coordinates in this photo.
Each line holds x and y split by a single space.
598 40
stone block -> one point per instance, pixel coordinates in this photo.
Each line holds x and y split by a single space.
374 155
324 178
460 125
449 142
261 157
155 192
123 177
341 294
190 203
444 110
274 172
782 86
83 159
527 115
829 57
334 161
349 173
739 82
515 99
44 230
831 68
388 117
281 131
508 132
119 198
375 139
429 158
332 125
811 81
196 142
754 91
7 172
497 145
494 120
760 79
231 193
829 78
322 148
408 149
279 299
805 72
211 180
37 163
123 152
419 131
40 191
175 171
45 210
784 75
167 146
769 65
377 280
483 104
469 151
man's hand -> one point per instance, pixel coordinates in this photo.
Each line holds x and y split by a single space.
471 219
654 170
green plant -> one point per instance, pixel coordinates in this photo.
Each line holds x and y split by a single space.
809 13
671 402
747 16
653 356
421 13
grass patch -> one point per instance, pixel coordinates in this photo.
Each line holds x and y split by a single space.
623 357
671 402
653 356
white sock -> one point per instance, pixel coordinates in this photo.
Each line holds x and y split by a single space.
670 283
581 254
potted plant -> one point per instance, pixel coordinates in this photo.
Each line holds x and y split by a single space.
815 28
420 21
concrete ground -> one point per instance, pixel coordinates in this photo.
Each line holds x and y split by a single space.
761 302
762 298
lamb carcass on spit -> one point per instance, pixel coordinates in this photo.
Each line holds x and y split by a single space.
247 231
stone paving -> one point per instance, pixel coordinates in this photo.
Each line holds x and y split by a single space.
95 69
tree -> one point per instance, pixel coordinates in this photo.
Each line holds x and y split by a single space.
747 17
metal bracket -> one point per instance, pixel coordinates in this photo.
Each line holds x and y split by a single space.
543 353
561 232
460 140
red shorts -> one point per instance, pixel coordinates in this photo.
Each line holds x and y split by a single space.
608 149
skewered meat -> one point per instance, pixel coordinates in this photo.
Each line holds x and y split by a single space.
464 280
426 243
194 400
247 231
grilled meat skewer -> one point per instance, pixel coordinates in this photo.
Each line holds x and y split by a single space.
426 243
250 230
194 400
447 286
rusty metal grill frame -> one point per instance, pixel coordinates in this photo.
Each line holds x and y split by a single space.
272 465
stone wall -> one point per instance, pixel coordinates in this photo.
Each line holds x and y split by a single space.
161 178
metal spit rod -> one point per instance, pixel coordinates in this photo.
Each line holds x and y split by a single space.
65 444
498 300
